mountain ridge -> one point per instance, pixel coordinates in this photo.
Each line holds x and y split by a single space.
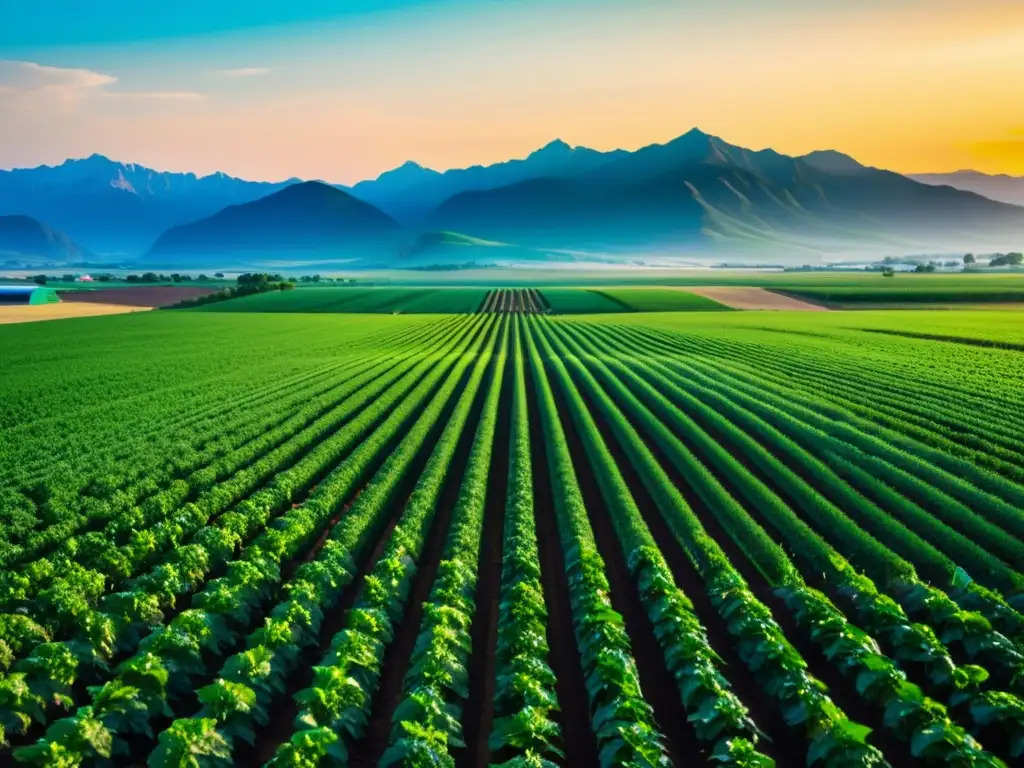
695 191
410 195
25 240
1001 187
698 190
307 217
119 208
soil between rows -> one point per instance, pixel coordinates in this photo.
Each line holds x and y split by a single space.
368 750
656 682
839 687
580 745
478 713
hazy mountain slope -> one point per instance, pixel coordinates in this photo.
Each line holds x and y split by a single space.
831 161
306 218
411 191
24 240
119 208
1006 189
452 249
699 191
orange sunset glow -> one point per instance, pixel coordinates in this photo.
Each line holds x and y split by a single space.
909 86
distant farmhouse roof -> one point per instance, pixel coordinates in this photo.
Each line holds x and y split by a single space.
27 294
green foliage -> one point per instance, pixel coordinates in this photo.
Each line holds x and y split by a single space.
662 300
351 300
201 544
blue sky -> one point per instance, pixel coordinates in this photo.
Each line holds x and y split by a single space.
344 90
32 24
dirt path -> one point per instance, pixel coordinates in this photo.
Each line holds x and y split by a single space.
25 313
752 298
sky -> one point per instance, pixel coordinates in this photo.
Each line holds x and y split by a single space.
343 91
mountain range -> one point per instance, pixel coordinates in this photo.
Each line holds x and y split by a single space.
1001 187
700 193
696 197
304 219
119 209
23 240
410 192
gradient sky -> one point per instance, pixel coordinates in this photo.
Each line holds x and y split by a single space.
268 90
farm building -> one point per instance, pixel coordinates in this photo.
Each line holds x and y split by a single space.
27 294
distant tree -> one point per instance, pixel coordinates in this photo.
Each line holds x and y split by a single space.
67 278
888 272
150 277
133 279
1007 260
969 259
104 278
219 275
929 267
256 278
202 278
39 279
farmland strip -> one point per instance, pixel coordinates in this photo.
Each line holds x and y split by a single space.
522 683
357 652
193 516
352 535
857 651
427 722
989 497
970 630
721 581
613 688
249 579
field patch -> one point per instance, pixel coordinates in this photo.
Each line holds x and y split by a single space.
664 300
143 296
579 301
62 311
358 300
743 297
894 295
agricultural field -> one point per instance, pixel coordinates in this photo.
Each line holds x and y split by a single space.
357 300
509 537
662 300
579 301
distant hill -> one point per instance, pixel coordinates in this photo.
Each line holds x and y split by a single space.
411 191
23 240
694 198
698 192
456 249
119 208
305 219
830 161
1006 189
